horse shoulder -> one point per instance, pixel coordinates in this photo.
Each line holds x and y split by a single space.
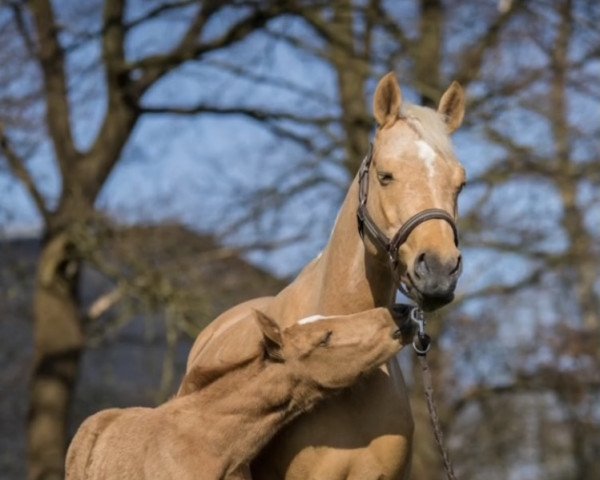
223 339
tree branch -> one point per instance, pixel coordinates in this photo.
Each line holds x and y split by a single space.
113 40
503 290
122 110
189 48
272 81
546 380
159 10
384 20
104 303
473 59
22 28
51 57
256 114
17 166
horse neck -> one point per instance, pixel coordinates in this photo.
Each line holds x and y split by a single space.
353 279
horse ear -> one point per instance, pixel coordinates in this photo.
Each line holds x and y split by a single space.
452 106
271 332
387 100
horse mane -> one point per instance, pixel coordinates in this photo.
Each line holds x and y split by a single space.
430 125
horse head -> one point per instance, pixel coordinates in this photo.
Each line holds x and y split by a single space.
413 169
333 352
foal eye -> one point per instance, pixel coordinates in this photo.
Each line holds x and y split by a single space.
325 340
385 178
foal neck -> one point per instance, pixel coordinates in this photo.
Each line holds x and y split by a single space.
258 385
239 412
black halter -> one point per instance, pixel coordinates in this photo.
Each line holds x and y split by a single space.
366 223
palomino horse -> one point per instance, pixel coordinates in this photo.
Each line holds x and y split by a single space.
409 185
227 415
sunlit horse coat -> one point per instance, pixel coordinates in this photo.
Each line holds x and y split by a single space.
227 415
366 432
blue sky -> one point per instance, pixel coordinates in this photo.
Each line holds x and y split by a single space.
192 169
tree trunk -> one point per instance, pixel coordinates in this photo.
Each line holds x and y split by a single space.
352 71
59 342
428 59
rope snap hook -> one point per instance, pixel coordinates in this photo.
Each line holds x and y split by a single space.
422 342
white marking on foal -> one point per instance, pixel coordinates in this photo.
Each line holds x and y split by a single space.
311 319
428 155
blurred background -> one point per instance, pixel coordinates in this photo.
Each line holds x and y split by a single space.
162 160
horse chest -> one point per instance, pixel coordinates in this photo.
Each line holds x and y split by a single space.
364 433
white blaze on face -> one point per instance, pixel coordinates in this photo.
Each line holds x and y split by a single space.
311 319
428 155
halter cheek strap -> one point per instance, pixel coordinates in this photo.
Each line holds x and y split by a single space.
366 225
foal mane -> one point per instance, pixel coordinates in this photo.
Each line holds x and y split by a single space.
201 376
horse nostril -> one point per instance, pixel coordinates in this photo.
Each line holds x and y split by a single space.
421 268
456 269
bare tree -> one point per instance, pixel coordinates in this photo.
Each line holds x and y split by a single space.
528 308
537 75
47 45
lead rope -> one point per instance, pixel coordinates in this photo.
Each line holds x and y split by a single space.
421 345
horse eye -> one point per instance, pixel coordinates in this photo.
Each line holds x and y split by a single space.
460 188
325 340
385 178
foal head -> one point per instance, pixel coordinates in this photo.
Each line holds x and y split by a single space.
414 169
333 352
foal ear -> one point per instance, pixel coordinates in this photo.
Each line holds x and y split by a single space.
271 332
452 106
387 100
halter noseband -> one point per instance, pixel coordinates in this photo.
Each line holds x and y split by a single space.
366 223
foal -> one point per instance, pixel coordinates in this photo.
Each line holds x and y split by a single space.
227 415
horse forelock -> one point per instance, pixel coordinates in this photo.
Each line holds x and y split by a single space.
430 126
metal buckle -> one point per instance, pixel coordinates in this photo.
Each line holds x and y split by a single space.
392 257
361 223
417 316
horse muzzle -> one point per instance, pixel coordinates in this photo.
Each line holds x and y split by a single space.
432 281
